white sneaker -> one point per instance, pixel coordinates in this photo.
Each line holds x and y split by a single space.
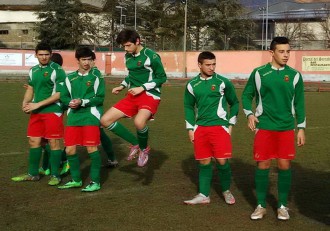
229 198
199 199
283 213
133 152
143 157
258 213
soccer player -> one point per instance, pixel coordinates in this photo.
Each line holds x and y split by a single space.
41 100
209 124
45 167
279 95
145 77
83 93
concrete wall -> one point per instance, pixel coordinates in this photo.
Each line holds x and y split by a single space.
232 64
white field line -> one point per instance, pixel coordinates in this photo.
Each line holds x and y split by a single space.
11 153
316 127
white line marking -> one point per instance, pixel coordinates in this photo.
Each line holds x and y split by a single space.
10 153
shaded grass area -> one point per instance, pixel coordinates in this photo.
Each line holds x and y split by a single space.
150 198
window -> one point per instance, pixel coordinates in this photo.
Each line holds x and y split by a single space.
25 31
4 32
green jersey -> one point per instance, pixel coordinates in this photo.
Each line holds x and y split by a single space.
90 89
279 95
206 102
146 70
46 81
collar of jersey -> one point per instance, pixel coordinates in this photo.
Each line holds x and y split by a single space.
277 69
204 79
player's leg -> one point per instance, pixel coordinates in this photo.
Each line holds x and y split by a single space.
222 149
286 153
55 161
142 130
203 154
73 137
108 149
109 121
35 131
45 167
91 141
54 130
264 146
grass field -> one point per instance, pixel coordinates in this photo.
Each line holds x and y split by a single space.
150 198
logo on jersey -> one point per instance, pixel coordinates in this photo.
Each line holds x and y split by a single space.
46 74
139 63
88 83
213 87
286 78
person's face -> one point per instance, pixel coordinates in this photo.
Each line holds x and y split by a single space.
281 55
43 57
207 67
85 63
130 47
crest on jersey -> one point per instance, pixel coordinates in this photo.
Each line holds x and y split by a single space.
213 87
139 63
88 83
286 78
46 74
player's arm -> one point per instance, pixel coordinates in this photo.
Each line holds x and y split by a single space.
299 104
65 95
189 111
233 102
247 98
28 97
124 84
98 98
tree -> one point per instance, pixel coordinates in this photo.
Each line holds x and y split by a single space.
63 23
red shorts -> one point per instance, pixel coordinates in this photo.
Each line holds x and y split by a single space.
82 135
212 141
48 126
274 145
130 105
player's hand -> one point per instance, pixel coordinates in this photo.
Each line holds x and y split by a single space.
252 120
191 135
29 107
26 86
301 137
75 103
136 90
116 90
230 129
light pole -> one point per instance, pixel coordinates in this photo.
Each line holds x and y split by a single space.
185 39
262 28
121 14
134 14
266 26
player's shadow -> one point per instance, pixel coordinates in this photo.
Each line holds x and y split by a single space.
146 174
311 190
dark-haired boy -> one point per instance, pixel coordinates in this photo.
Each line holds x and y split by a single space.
209 124
83 93
41 100
146 75
279 94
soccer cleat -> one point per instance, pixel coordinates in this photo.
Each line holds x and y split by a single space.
65 168
71 184
54 181
111 164
229 198
93 186
44 172
133 153
258 213
25 177
199 199
143 157
283 213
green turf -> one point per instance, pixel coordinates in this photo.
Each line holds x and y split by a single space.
150 198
